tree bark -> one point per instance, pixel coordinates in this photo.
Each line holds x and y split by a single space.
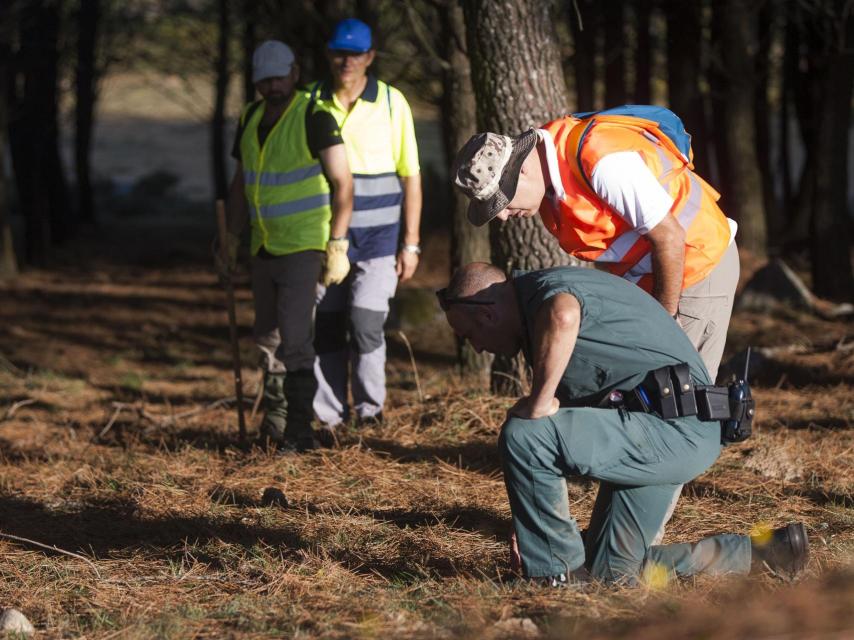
34 134
584 24
830 220
8 260
468 242
742 191
518 83
763 118
615 53
220 178
684 71
88 17
643 55
248 42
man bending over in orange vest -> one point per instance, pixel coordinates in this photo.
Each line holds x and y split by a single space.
615 190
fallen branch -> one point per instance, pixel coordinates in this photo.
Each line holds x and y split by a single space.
51 547
17 405
412 360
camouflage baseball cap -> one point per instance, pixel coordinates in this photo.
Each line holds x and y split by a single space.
487 169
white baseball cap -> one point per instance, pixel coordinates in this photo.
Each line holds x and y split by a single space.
272 59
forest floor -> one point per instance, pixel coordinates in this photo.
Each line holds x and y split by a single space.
118 443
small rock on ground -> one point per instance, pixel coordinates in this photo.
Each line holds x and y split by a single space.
273 497
13 621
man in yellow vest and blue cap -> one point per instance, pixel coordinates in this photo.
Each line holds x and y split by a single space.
294 187
379 136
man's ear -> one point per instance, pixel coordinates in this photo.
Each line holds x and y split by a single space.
486 315
372 53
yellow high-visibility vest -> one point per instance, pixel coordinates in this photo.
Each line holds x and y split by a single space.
287 192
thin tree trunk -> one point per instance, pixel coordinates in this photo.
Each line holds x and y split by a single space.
221 90
248 42
762 119
584 24
615 56
468 242
742 194
684 70
643 55
8 260
518 83
33 134
830 222
787 82
88 16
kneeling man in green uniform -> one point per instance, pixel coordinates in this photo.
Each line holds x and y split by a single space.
594 343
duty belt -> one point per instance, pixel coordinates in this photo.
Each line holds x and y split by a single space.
669 392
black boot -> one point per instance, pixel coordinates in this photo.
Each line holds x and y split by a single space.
300 387
784 551
275 410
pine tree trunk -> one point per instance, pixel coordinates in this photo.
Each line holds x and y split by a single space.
220 178
830 222
248 42
88 17
615 56
34 134
518 83
762 120
468 242
684 71
584 25
643 55
8 260
742 193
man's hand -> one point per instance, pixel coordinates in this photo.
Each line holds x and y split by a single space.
336 266
225 258
527 410
407 263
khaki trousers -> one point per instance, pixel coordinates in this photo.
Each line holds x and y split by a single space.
704 312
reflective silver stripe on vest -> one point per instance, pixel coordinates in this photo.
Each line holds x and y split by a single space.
622 245
378 185
281 178
294 206
685 218
375 217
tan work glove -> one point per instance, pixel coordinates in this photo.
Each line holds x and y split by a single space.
225 259
336 266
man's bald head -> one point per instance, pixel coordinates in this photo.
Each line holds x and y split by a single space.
480 305
473 278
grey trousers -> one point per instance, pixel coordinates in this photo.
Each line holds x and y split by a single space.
639 459
284 291
351 340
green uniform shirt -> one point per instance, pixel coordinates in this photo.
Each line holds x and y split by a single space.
624 332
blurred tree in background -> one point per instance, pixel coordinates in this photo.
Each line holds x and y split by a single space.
764 87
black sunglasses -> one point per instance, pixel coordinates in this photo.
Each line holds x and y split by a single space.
445 302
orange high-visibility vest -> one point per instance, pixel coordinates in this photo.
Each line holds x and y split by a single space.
589 229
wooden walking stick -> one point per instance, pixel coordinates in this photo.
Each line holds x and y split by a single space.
232 320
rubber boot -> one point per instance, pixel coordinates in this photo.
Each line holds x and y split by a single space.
300 388
275 408
785 551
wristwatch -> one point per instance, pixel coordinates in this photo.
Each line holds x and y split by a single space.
412 248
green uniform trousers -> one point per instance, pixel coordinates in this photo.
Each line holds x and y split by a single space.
639 460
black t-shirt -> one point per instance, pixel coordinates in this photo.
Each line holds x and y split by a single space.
322 132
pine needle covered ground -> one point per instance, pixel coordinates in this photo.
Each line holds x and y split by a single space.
117 443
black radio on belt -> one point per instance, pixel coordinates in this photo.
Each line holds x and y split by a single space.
671 393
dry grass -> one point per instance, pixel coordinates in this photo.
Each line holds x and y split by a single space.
399 533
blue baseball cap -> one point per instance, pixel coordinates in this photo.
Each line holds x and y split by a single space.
351 35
